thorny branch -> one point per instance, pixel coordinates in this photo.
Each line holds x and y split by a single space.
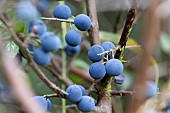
104 84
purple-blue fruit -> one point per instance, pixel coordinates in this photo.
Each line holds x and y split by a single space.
168 103
82 22
97 70
41 101
62 12
167 111
107 46
72 51
94 52
26 11
73 38
40 56
151 89
31 47
74 93
18 58
119 79
49 105
37 26
114 67
82 90
50 42
86 104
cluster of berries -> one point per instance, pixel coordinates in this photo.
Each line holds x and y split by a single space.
112 67
77 95
72 37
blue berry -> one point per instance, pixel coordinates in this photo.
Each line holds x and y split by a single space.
168 103
49 105
50 42
114 67
40 56
72 51
26 11
107 46
31 47
62 12
74 93
82 22
94 51
86 104
41 101
97 70
82 90
167 111
119 79
37 25
73 38
18 58
151 89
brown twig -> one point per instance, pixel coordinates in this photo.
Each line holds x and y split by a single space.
104 101
77 71
127 28
94 30
81 74
67 81
120 93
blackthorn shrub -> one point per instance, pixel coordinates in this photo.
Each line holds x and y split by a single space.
82 90
119 79
114 67
37 25
74 93
97 70
30 47
49 105
73 38
86 104
41 101
50 42
94 51
41 57
82 22
71 51
62 11
107 46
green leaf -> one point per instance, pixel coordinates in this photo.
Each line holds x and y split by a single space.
165 42
112 37
20 27
108 36
11 49
81 64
